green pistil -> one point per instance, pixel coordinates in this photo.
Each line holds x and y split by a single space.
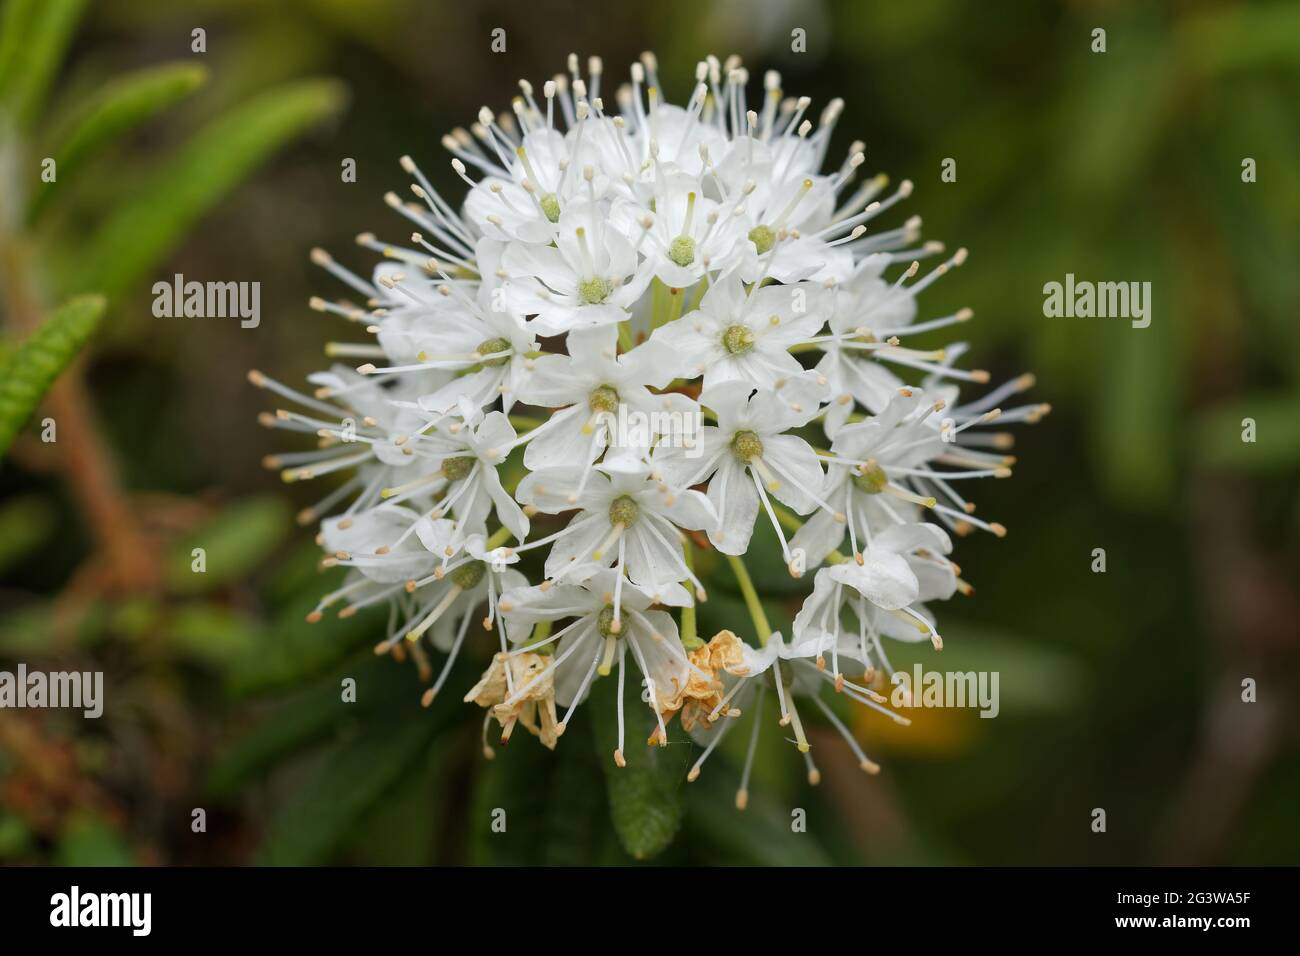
603 398
738 339
605 622
682 251
870 478
491 347
624 510
467 576
551 207
763 238
595 290
746 446
457 469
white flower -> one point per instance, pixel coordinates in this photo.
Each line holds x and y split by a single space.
524 203
612 617
466 454
748 456
591 276
689 234
742 336
594 218
787 670
430 326
883 591
603 397
867 315
626 519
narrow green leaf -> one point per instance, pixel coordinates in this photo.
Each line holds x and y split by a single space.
358 773
1276 444
89 840
234 542
142 232
720 834
15 837
1217 40
34 366
308 717
34 35
551 801
213 634
645 797
294 650
112 112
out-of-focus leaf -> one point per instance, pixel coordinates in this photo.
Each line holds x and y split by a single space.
552 803
234 543
15 836
34 366
1216 39
28 630
1122 100
402 829
88 840
758 836
1138 426
217 635
1218 442
139 234
114 111
513 783
645 797
308 717
356 775
33 37
25 524
294 650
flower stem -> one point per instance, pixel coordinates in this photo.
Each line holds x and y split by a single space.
756 612
689 630
525 423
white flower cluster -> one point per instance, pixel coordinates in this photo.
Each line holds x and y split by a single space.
638 329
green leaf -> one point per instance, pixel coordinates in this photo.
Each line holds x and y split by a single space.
34 366
551 803
308 717
15 837
112 112
759 836
294 650
34 35
89 840
1276 447
234 543
361 771
645 797
217 635
142 233
1217 40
